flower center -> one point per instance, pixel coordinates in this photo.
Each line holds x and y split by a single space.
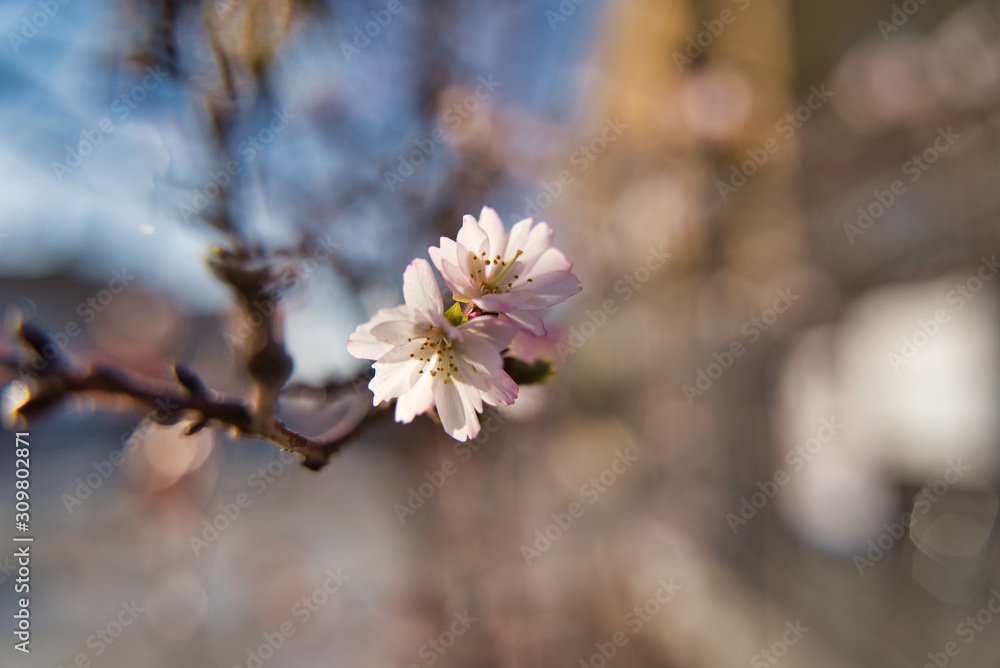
437 355
493 285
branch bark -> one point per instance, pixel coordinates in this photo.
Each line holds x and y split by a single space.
58 379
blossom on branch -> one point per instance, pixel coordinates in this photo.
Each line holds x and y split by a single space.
512 274
426 358
452 362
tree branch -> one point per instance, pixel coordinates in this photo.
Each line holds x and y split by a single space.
51 379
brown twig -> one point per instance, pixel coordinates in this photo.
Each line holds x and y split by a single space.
57 379
52 378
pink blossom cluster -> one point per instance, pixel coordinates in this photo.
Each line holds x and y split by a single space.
451 361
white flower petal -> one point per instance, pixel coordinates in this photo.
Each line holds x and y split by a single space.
365 345
551 260
538 240
493 226
458 417
447 251
500 389
392 380
407 352
472 235
472 376
518 236
471 397
468 266
484 361
397 332
458 283
420 288
417 401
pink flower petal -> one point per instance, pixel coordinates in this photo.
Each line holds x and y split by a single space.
495 331
503 302
530 348
549 289
527 321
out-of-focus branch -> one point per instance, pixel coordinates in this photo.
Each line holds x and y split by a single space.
247 270
234 87
59 379
255 289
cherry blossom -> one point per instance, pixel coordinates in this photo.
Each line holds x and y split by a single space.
512 274
424 359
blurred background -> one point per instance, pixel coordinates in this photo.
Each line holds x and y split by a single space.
773 434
